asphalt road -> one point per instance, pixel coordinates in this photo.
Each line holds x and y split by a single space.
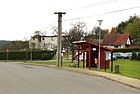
26 79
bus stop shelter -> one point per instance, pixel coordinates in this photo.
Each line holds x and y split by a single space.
89 52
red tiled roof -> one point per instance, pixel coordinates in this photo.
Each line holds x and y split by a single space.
115 39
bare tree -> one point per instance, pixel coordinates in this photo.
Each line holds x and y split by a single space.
95 30
74 34
37 33
93 36
55 30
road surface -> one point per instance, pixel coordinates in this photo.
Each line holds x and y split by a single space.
26 79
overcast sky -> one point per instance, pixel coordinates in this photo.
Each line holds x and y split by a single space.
20 18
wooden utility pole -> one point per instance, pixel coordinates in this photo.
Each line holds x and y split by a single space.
59 44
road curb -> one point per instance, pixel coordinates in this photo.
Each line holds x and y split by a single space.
84 72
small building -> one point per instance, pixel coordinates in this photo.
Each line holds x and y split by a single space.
117 41
90 53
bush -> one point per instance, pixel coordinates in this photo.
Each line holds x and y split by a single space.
46 56
126 50
13 55
25 55
138 56
134 56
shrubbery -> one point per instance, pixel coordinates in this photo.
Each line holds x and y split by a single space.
47 56
138 57
135 56
26 55
126 50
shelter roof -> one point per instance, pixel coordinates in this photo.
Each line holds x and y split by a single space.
92 44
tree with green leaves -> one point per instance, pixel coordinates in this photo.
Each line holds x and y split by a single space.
113 30
133 28
18 45
121 27
14 45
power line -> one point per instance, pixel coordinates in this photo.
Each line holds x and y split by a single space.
104 13
96 4
86 6
93 15
47 26
82 7
122 10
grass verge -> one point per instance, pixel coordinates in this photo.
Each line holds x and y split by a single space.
130 68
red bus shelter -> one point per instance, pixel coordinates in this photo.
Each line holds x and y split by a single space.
89 52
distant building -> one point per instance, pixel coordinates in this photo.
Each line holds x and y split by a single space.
117 41
43 42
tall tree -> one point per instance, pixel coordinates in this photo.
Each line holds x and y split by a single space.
4 44
113 30
104 33
94 35
74 34
133 29
122 25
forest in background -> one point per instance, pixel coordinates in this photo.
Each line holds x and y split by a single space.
13 45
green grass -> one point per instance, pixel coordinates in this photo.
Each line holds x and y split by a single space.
45 62
128 67
65 62
50 62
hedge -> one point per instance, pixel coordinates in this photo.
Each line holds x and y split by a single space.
46 56
126 50
25 55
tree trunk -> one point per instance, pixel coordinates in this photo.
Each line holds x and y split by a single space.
72 55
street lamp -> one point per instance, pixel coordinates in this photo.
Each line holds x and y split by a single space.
100 22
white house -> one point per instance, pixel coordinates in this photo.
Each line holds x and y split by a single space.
43 42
